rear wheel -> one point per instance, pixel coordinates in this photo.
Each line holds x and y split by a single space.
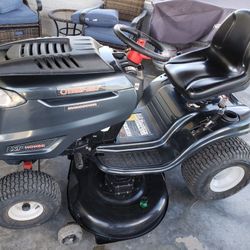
218 170
27 199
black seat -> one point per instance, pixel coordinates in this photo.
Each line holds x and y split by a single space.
220 69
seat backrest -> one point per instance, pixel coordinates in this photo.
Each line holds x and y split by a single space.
232 40
128 9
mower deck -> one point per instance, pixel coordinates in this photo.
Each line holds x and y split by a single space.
116 208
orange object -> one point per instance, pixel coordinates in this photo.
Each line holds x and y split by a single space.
137 57
27 165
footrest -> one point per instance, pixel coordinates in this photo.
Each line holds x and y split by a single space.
131 160
134 162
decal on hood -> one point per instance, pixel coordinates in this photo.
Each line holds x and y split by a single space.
81 106
78 90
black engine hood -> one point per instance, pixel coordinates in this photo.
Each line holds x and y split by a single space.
55 56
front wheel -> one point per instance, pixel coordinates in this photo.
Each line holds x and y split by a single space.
70 234
27 199
218 170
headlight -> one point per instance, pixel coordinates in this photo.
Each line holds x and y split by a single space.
9 99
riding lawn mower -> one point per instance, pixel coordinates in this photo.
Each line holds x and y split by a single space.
72 96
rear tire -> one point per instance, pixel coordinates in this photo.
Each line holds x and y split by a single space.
219 170
28 199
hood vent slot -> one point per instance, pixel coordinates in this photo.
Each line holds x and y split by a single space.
56 55
37 49
57 63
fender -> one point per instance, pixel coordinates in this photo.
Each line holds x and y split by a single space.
171 151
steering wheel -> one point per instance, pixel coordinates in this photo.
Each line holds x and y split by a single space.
123 32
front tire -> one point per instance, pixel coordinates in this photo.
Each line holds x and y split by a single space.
28 199
218 170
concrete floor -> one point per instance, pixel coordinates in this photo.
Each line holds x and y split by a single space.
189 224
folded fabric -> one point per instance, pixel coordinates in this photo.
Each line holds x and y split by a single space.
102 18
9 5
183 22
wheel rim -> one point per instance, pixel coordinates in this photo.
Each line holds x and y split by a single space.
25 211
227 179
70 240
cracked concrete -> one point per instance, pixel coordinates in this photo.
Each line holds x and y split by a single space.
191 243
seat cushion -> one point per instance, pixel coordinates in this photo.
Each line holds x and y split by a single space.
102 18
75 18
105 35
220 69
9 5
201 75
23 15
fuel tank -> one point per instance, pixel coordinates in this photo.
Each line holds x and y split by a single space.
71 87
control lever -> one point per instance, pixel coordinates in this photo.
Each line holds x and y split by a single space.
78 160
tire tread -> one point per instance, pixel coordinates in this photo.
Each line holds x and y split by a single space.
212 155
28 182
